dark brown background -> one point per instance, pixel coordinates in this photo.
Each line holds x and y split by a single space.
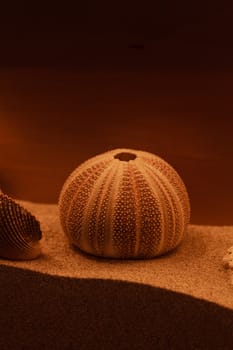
79 80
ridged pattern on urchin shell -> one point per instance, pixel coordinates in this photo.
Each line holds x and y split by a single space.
124 204
19 231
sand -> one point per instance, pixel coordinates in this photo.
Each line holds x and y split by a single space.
111 300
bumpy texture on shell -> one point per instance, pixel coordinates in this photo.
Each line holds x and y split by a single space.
19 231
124 204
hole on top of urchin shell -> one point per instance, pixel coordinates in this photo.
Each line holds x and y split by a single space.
125 156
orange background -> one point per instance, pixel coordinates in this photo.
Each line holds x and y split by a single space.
77 82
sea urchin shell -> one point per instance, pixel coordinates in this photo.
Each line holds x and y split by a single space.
124 204
19 231
228 258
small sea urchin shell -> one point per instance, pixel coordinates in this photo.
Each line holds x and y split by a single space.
124 204
228 259
19 231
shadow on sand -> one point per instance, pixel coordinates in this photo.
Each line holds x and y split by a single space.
45 312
